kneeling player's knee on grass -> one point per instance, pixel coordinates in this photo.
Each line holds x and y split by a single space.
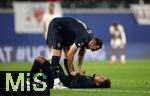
40 59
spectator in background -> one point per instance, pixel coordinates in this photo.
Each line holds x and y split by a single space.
47 17
118 39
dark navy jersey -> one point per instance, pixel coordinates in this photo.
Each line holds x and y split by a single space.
66 31
82 82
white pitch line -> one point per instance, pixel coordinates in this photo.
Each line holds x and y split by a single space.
94 90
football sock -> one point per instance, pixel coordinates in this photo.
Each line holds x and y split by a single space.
56 66
123 57
113 58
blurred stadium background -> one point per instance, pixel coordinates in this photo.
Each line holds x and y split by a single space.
21 40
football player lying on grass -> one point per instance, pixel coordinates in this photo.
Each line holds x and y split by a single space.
78 81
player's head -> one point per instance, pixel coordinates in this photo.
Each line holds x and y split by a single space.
95 44
51 8
101 82
115 23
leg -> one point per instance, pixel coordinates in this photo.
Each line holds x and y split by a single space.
113 56
55 62
66 80
37 65
113 47
123 56
48 70
56 68
44 65
66 49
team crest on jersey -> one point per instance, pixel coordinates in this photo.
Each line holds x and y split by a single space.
81 44
58 45
59 27
89 31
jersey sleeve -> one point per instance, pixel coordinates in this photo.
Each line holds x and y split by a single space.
111 29
82 35
123 36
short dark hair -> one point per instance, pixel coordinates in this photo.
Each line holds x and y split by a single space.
105 84
98 42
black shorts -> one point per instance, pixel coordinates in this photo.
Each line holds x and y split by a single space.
56 37
53 37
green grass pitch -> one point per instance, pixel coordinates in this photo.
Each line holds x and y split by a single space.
131 79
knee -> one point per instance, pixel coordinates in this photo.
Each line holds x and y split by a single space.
40 59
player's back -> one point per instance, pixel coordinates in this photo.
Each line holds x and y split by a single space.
69 27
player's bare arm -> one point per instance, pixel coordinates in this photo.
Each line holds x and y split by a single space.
80 59
70 56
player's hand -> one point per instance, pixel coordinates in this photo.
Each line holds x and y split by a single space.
73 73
83 73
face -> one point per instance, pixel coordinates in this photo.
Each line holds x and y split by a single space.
93 46
51 8
98 80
